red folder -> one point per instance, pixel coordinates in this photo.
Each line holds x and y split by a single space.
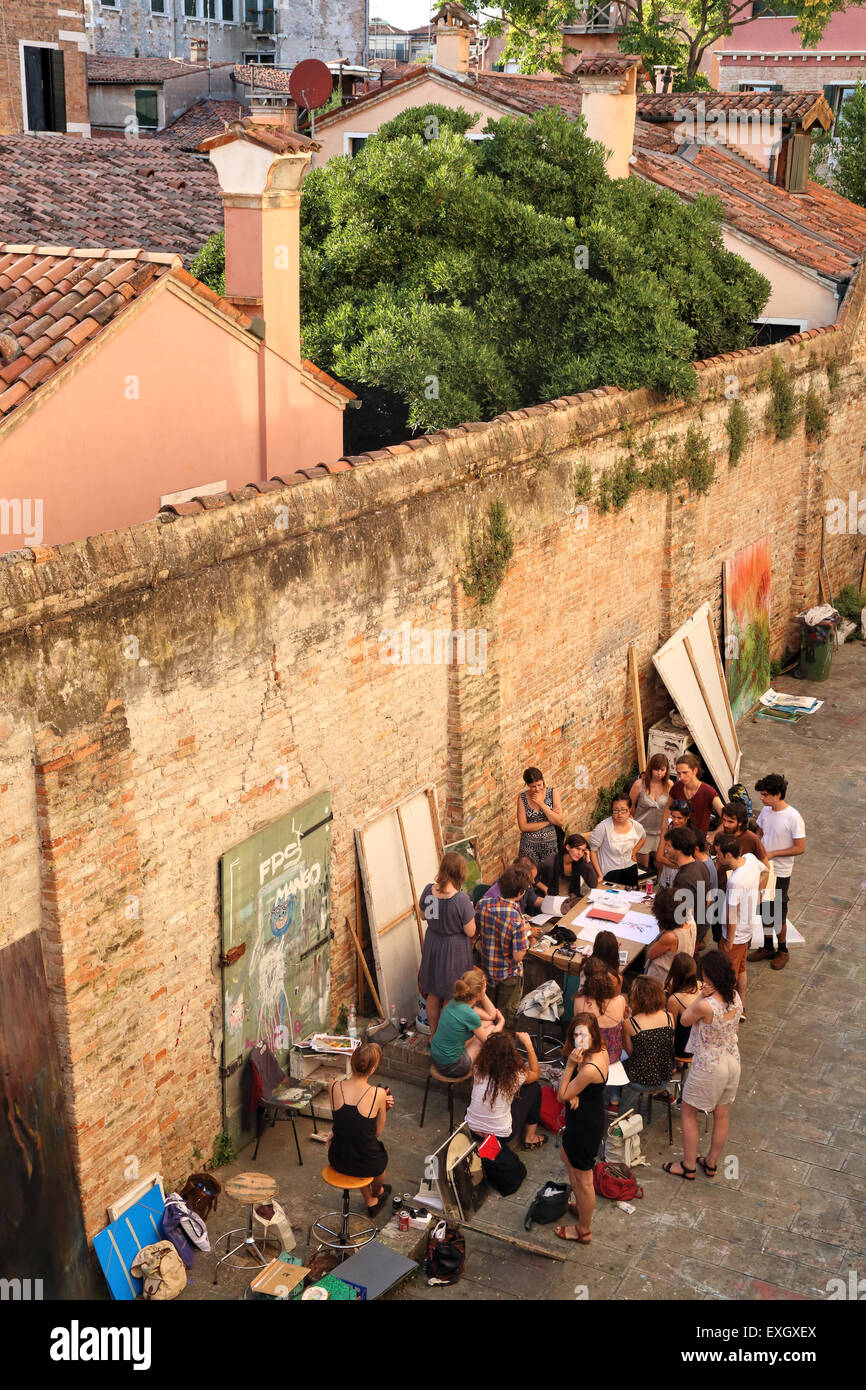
606 914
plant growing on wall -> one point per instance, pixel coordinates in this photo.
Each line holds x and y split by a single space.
697 466
582 482
488 557
605 795
738 427
224 1151
782 412
815 416
834 376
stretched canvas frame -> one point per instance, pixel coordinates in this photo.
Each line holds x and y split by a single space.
690 665
747 626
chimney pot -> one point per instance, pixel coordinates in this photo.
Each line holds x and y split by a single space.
664 75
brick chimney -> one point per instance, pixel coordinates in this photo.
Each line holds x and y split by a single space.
198 50
608 88
260 168
455 30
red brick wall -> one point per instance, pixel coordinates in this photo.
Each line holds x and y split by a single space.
37 21
257 648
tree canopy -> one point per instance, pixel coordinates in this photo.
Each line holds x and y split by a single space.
534 27
448 280
848 149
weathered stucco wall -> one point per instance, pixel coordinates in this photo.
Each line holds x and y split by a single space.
167 691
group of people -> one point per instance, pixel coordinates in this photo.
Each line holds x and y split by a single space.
714 866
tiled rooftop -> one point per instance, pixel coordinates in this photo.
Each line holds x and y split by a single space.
120 193
54 300
207 117
273 138
111 67
261 75
800 107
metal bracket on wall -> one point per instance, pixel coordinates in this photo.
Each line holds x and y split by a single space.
233 1066
230 956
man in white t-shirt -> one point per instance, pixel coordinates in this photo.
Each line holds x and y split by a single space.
783 833
746 878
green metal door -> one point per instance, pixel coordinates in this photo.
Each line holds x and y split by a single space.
275 913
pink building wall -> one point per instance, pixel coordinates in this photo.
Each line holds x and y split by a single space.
776 34
170 402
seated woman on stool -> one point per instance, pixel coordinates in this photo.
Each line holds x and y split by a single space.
582 1092
464 1024
359 1112
506 1096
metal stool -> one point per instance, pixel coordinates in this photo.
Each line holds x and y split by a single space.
434 1074
344 1241
651 1091
252 1189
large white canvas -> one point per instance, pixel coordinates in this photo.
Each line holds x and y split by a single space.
707 712
389 897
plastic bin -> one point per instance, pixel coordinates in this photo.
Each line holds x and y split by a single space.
816 650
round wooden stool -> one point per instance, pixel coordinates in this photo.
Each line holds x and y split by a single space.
251 1189
346 1240
435 1074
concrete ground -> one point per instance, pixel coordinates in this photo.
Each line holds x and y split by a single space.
788 1209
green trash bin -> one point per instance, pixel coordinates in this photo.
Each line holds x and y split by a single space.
816 650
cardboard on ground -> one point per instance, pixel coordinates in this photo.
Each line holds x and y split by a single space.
279 1278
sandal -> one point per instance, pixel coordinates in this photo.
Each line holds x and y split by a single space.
537 1143
687 1173
709 1168
574 1233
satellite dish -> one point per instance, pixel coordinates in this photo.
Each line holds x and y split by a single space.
311 84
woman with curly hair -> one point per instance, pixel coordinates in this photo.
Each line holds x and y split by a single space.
581 1090
506 1096
715 1070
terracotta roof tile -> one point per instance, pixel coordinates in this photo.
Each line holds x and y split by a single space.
312 370
49 333
263 75
204 119
111 67
799 107
96 194
257 133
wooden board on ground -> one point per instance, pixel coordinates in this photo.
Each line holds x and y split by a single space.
690 665
397 849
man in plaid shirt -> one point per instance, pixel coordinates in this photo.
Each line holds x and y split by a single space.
504 939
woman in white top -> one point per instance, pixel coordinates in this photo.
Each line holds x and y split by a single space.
506 1096
715 1070
615 843
649 797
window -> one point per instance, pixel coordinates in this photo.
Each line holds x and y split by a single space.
228 11
146 110
761 87
836 96
260 14
210 9
44 88
109 4
773 9
189 8
769 331
356 143
157 6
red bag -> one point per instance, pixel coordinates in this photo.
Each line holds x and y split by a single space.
615 1181
552 1113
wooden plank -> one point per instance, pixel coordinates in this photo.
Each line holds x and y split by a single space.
434 820
715 646
638 716
703 689
358 947
513 1240
415 902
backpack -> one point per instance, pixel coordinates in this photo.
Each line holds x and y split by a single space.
505 1172
191 1224
738 793
161 1270
200 1192
615 1181
622 1144
552 1113
550 1203
446 1253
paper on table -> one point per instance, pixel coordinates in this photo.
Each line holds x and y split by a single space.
553 906
635 926
608 897
540 918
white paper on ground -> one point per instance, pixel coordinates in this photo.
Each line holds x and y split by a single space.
808 704
792 936
553 906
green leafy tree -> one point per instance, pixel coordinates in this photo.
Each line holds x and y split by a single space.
447 280
848 151
209 264
534 27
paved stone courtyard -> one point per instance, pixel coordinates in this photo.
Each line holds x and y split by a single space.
794 1214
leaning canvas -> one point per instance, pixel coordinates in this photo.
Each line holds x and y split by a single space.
747 625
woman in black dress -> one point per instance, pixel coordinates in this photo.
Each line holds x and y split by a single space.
582 1091
359 1112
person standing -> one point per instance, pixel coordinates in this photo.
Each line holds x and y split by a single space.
447 950
649 797
746 879
615 844
504 938
714 1075
666 863
702 798
783 832
692 883
539 813
581 1090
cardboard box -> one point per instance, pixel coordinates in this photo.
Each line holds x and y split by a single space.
279 1279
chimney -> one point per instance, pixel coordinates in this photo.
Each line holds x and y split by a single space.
608 103
664 83
260 168
454 30
198 50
